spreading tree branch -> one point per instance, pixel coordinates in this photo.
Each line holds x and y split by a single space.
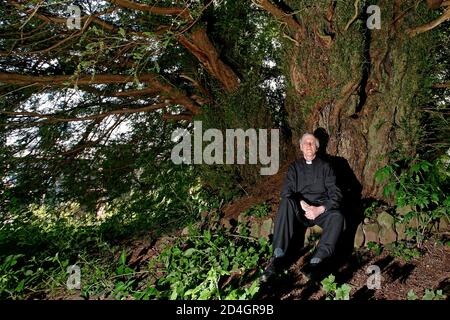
134 93
431 25
199 43
178 117
444 85
53 118
59 20
172 93
202 48
287 18
170 11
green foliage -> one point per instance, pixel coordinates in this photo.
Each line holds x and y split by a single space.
421 185
259 210
375 247
238 23
91 166
343 292
19 276
124 279
210 266
333 291
228 113
207 264
431 295
175 200
403 250
256 103
37 245
411 295
370 211
428 295
221 181
344 59
328 284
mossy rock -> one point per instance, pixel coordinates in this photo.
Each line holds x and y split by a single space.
401 211
385 220
266 228
254 229
387 235
226 223
400 228
359 237
371 232
444 223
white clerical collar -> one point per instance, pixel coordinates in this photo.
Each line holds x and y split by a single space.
310 161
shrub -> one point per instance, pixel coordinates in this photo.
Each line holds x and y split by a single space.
422 186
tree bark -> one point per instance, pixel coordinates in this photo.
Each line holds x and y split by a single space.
202 48
357 84
441 85
169 11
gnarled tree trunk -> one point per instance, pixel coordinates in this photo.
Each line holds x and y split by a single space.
360 85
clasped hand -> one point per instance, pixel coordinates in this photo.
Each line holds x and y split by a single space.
311 212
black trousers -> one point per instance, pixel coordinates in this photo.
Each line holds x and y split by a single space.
291 220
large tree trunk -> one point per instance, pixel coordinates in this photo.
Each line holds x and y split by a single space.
358 84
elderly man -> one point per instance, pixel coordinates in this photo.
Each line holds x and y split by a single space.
309 197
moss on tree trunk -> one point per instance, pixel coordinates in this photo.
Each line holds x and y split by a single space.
360 85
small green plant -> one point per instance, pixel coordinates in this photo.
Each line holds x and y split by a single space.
412 295
375 247
9 277
20 277
259 210
403 250
370 211
333 291
428 295
125 279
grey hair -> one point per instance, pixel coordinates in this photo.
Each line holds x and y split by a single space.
309 134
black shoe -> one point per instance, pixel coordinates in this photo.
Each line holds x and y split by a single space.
271 271
315 261
314 269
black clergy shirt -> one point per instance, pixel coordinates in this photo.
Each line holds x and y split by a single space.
314 183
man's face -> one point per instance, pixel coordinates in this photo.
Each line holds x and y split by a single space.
308 146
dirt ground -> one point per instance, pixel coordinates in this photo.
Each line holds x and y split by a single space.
398 277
